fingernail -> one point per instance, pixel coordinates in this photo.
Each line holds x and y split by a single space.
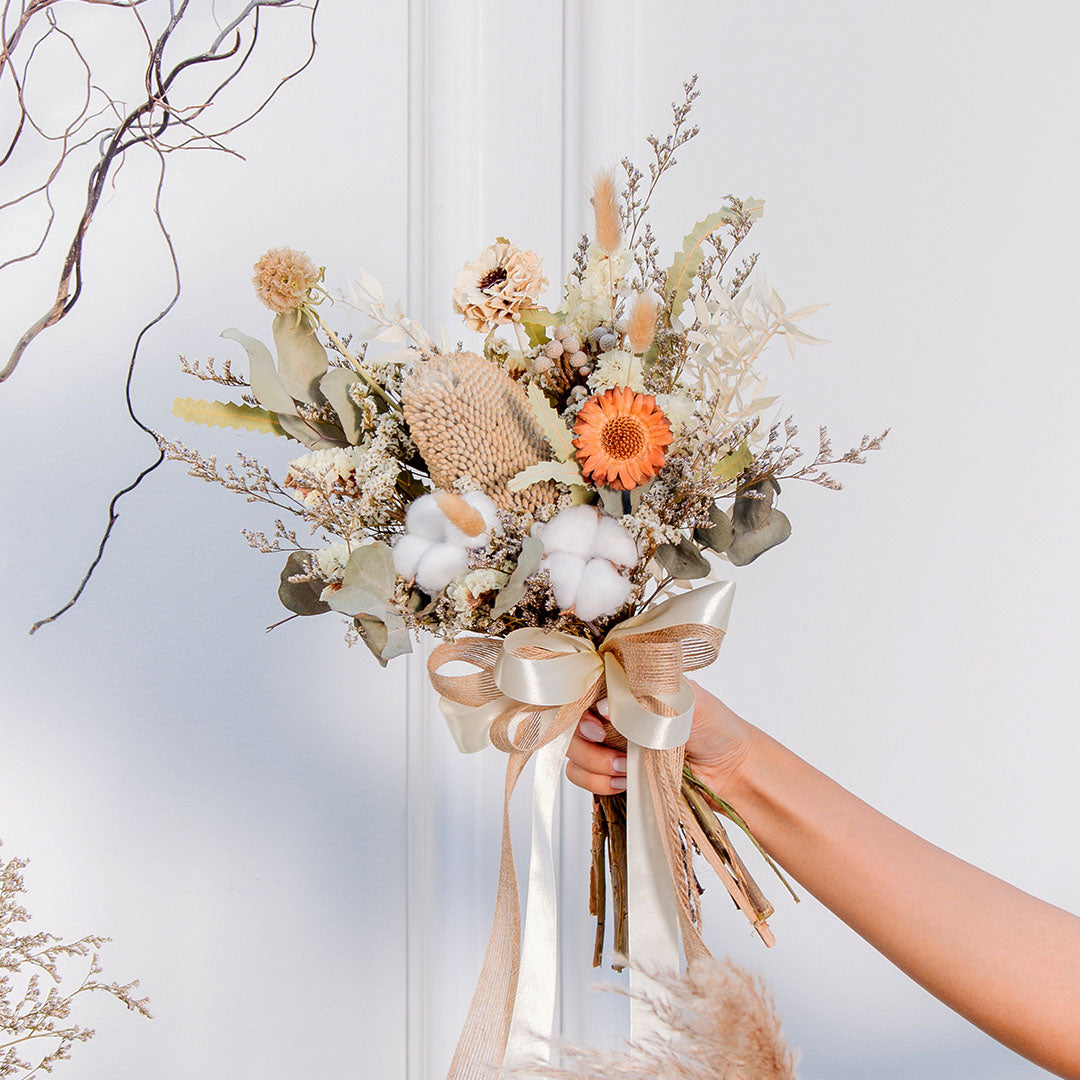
592 730
602 708
618 783
618 764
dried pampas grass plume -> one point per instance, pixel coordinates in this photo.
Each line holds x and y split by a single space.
641 328
725 1028
606 210
469 418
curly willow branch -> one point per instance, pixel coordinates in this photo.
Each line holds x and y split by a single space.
146 124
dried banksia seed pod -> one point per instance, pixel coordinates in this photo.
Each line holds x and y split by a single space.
606 211
469 418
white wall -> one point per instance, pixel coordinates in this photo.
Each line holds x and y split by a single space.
227 805
231 807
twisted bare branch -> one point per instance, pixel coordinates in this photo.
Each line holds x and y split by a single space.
169 117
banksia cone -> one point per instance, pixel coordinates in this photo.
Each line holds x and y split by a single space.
469 418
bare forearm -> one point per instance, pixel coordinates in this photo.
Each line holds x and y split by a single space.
1008 962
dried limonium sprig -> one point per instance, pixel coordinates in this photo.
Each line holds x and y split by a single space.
38 1028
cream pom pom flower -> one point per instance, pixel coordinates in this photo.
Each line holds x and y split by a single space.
283 278
584 552
440 531
500 283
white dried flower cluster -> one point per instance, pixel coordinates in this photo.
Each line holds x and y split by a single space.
465 592
650 528
352 490
589 300
323 472
617 368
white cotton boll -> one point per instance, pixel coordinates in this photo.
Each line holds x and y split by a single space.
440 564
614 543
462 540
424 518
603 591
572 530
408 552
565 571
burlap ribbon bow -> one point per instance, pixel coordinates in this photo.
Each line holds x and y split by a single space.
528 693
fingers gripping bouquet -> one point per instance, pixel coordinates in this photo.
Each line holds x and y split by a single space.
552 503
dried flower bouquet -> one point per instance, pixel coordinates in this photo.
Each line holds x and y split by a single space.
579 468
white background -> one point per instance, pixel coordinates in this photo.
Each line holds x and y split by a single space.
231 807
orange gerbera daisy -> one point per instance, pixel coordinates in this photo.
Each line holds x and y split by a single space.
621 438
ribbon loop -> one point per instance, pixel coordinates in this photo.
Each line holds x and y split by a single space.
546 668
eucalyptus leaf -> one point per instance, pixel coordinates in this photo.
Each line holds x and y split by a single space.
532 551
683 560
367 582
752 506
373 634
227 414
398 642
301 358
720 535
313 435
334 386
747 546
356 600
614 502
300 597
265 383
536 334
386 639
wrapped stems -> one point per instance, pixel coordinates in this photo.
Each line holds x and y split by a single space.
702 828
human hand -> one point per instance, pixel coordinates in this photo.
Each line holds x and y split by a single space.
717 749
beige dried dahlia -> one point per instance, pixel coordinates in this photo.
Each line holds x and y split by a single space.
469 418
500 283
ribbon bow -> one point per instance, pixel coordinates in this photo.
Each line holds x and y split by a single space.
530 690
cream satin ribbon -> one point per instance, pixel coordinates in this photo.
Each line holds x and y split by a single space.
527 697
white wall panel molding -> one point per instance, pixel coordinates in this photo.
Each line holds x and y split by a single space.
485 149
600 106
